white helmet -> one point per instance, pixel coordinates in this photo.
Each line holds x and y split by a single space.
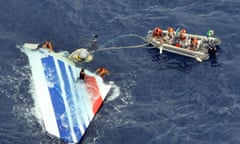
83 53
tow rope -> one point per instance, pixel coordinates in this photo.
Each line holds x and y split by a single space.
104 46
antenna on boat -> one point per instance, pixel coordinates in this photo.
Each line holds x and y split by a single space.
178 28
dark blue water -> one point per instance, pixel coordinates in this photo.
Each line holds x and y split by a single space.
166 99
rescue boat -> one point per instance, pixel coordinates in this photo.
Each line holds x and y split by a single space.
186 47
66 103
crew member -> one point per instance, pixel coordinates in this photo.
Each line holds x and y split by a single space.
210 33
194 43
93 43
212 52
157 32
183 39
82 74
182 34
102 72
170 35
46 44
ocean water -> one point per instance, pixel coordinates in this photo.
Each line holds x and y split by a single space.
167 99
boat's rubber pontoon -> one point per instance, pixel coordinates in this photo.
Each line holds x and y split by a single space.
200 52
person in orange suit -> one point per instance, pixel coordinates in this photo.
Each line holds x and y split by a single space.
48 44
102 72
157 32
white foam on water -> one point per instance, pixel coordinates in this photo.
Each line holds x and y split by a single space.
114 92
36 109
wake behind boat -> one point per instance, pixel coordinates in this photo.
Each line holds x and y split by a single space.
67 102
180 42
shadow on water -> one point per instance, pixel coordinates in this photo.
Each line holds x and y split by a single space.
171 61
181 63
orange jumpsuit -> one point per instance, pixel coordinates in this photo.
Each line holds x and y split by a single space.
102 72
48 45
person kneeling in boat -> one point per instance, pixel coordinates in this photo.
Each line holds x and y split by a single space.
183 40
102 72
170 37
46 44
194 44
158 34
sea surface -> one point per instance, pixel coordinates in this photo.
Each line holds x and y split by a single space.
158 99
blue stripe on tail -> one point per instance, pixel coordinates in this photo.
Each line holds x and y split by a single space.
69 96
79 96
56 98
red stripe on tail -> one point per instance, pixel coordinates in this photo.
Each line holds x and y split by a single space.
94 92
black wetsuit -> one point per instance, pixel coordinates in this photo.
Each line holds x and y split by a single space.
82 75
212 52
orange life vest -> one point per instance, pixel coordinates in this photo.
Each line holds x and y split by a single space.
157 32
195 41
48 45
102 72
182 34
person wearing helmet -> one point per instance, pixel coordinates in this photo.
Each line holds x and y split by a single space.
46 44
102 72
158 35
170 29
183 38
182 34
194 43
210 33
170 35
157 32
